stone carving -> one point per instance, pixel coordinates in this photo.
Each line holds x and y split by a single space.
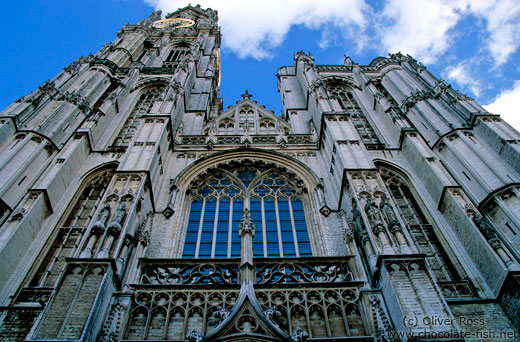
299 335
246 225
286 273
194 336
380 319
102 217
272 314
308 59
389 214
416 96
115 225
373 214
221 314
189 274
18 215
486 229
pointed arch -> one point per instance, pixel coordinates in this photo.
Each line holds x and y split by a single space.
281 213
70 229
418 223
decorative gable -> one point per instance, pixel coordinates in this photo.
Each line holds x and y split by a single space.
246 117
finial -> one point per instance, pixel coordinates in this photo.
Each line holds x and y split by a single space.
247 96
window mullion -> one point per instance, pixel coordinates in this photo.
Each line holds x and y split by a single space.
296 248
215 225
200 227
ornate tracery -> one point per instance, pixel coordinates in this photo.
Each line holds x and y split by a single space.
276 207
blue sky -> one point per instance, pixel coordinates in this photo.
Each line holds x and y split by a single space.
473 44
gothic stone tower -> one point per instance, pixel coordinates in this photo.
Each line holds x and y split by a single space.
134 207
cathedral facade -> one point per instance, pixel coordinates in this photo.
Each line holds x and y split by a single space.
382 205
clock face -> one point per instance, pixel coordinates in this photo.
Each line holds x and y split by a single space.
173 23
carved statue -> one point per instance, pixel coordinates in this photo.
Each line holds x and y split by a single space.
246 225
373 214
389 214
118 218
102 217
484 226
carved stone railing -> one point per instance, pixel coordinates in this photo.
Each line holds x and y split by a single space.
299 139
264 139
33 295
108 63
156 70
229 139
193 139
461 289
185 298
179 272
297 271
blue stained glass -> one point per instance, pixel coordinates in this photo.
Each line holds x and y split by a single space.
231 191
280 182
208 223
256 216
287 191
206 191
238 207
222 228
302 234
286 228
271 228
189 250
205 250
273 220
261 191
267 181
193 229
246 176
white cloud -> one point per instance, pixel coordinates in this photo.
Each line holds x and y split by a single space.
426 29
461 74
252 28
502 19
420 28
507 104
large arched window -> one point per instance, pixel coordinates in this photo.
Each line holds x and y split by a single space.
276 208
419 227
347 103
142 107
